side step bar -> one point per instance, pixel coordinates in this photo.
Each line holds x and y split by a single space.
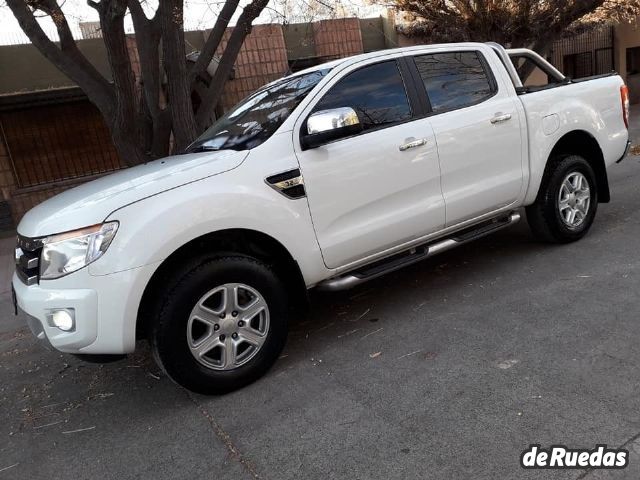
416 254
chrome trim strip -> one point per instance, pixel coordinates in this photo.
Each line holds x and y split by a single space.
27 258
30 244
27 279
27 263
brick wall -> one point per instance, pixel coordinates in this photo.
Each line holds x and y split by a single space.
337 38
262 59
134 57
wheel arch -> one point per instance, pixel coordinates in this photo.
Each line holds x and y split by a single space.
230 241
580 142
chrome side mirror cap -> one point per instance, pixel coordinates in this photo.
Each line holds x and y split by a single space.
328 125
325 120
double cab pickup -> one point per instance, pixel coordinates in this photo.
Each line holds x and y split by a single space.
326 179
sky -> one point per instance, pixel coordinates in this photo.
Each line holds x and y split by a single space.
199 14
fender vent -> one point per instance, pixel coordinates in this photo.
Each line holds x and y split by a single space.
290 184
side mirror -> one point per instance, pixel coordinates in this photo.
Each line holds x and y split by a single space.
327 125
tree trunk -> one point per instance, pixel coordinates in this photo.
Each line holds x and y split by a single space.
175 64
126 124
148 35
127 144
214 39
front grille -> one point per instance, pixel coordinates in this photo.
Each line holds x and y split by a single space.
28 251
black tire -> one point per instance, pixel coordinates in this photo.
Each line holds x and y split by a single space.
168 336
544 216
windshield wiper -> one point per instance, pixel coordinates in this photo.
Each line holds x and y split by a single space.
202 148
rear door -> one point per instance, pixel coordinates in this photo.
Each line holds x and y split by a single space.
379 188
476 122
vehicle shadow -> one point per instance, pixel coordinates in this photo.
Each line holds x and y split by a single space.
386 300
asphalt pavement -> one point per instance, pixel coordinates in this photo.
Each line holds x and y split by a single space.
447 369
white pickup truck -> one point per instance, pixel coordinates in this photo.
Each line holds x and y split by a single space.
326 178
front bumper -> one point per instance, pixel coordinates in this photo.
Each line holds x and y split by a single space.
106 309
36 302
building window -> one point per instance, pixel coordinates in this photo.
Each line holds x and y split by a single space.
578 65
633 61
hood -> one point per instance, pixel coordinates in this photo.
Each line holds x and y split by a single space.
92 202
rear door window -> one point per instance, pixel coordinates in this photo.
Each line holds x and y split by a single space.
455 80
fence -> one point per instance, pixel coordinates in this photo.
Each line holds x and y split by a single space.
585 55
57 142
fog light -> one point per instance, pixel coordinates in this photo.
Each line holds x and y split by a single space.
64 319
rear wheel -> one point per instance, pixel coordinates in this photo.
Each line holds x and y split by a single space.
222 324
567 202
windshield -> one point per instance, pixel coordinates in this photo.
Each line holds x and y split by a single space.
258 116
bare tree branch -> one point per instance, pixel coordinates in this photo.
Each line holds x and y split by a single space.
231 51
214 39
126 124
149 113
148 35
521 23
179 87
68 57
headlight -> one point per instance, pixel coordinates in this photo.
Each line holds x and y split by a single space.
67 252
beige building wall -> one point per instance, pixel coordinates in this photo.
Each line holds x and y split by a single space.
627 36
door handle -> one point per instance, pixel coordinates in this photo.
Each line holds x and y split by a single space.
501 118
414 144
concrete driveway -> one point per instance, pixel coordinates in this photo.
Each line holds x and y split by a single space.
447 369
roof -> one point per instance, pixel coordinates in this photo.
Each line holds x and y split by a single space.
18 100
389 52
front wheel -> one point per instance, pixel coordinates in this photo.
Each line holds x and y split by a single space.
567 202
222 324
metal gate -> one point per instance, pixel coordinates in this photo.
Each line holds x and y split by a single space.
53 143
585 55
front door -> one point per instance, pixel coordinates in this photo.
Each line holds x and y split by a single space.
365 192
